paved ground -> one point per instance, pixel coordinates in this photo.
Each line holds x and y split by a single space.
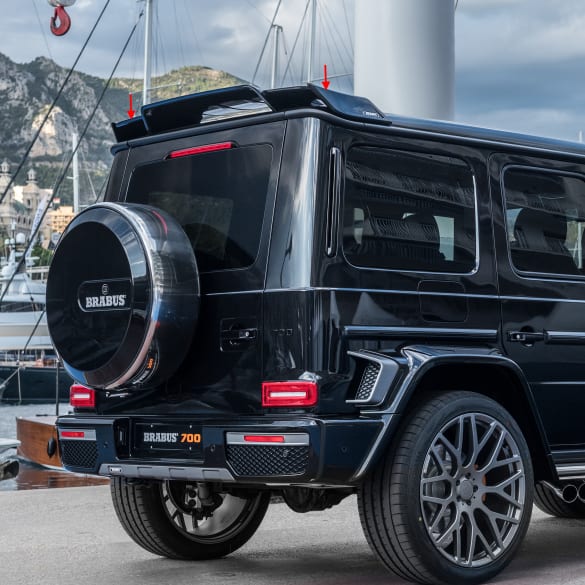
70 536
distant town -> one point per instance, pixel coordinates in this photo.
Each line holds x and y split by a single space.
20 206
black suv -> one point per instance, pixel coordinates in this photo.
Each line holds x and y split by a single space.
290 294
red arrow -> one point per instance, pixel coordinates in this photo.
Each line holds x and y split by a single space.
130 112
325 82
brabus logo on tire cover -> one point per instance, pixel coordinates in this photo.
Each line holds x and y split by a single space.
100 295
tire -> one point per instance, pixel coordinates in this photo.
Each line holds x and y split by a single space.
431 492
552 504
153 516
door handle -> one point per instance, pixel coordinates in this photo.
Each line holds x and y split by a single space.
238 339
526 336
247 334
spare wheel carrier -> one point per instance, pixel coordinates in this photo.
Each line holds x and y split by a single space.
122 296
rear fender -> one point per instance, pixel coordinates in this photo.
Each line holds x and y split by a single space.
403 380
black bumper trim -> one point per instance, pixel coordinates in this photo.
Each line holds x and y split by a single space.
336 451
165 472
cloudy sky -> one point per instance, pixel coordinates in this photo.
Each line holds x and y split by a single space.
520 64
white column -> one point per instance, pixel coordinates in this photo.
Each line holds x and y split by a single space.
405 56
147 52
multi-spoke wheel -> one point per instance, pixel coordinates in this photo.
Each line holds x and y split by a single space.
451 501
189 521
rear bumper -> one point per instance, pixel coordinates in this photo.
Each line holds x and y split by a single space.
309 451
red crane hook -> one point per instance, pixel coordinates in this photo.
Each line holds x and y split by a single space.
64 20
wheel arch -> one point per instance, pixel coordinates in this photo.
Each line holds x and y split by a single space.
493 375
503 385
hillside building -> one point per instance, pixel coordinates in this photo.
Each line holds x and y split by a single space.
20 206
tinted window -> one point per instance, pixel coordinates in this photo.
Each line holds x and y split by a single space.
218 197
409 211
545 215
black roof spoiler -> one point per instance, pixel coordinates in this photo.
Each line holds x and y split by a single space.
242 100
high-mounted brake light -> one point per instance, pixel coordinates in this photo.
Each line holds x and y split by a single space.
293 393
201 149
81 397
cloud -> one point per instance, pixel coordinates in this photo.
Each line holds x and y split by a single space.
535 121
517 32
523 57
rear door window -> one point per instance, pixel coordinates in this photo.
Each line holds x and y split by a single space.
218 197
545 215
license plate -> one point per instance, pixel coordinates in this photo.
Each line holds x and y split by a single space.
161 438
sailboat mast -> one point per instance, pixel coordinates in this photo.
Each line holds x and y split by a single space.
74 141
311 55
147 51
277 30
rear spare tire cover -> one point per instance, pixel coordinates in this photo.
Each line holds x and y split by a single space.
122 296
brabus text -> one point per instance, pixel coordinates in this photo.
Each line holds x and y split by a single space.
161 437
105 301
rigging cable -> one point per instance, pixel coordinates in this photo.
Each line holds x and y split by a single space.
328 29
292 51
53 104
193 30
326 15
42 30
286 53
63 174
266 41
348 27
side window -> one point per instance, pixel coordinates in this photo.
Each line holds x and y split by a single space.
408 211
545 213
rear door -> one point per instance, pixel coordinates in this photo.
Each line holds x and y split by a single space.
539 213
221 188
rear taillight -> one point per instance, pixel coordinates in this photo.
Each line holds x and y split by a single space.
201 149
292 393
81 397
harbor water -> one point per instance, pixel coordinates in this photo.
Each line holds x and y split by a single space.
32 476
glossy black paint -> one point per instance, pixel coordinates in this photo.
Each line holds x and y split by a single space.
552 307
307 306
120 317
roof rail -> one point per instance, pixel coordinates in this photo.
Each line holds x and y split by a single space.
242 100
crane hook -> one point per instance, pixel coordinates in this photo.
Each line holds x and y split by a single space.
64 20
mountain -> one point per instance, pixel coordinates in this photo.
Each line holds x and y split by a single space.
27 90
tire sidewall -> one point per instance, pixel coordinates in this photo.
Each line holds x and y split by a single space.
164 537
465 402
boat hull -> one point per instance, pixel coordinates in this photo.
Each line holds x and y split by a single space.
33 384
38 440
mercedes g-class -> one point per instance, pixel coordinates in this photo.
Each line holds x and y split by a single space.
288 293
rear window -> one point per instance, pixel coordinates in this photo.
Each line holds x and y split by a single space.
218 198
